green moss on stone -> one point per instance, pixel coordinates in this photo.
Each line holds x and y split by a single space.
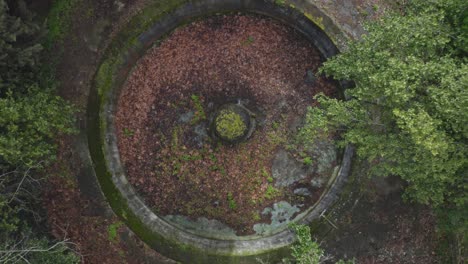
230 125
317 20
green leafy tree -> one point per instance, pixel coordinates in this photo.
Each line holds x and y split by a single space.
307 251
407 113
19 51
29 124
31 117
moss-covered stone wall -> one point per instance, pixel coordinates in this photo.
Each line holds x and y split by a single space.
144 30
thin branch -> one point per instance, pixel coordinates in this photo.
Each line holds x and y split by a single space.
8 173
25 175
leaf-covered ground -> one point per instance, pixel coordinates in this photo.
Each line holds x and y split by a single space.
66 200
168 100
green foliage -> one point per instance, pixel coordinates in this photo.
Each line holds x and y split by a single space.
408 111
19 52
307 161
248 41
280 2
275 125
128 132
277 137
305 250
256 216
58 20
112 230
271 192
231 202
230 124
9 220
29 124
31 117
199 112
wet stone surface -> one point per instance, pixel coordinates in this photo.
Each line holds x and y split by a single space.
286 170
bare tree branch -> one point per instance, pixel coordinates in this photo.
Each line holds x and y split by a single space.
25 175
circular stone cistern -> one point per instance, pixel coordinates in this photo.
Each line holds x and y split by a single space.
230 123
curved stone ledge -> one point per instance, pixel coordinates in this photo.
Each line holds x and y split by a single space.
140 34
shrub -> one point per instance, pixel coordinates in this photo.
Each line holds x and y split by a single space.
408 111
31 117
230 125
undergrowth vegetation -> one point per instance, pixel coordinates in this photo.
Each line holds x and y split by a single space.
308 251
408 110
31 118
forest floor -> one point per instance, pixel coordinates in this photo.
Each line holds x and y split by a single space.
165 108
371 222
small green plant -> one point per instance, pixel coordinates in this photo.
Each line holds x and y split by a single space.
214 168
256 216
248 41
280 2
267 175
176 133
187 157
363 12
176 168
223 171
305 250
229 125
128 132
213 157
275 137
307 161
271 192
290 147
112 230
59 20
231 202
275 125
199 112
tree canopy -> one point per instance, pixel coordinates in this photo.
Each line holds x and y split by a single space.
31 117
407 112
